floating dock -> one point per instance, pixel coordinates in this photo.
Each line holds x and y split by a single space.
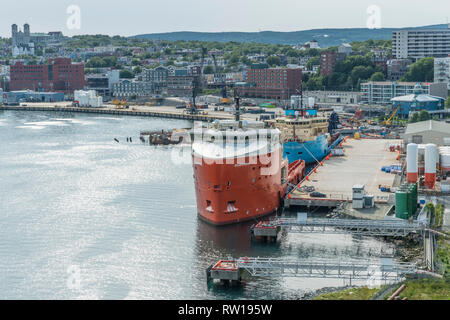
335 178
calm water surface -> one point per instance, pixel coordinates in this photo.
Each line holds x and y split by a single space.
85 217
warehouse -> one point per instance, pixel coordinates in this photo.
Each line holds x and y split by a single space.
14 97
428 132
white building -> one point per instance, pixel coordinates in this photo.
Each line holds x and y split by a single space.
345 48
381 92
415 43
442 70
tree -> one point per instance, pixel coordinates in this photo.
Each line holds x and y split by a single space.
273 61
208 70
377 76
315 61
137 70
424 115
447 103
421 71
414 117
126 74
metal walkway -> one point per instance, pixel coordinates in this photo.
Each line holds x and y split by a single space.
303 224
383 269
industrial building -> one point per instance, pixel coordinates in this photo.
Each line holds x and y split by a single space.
271 83
335 97
417 101
414 43
60 75
425 132
15 97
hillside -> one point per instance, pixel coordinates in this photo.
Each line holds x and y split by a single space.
325 37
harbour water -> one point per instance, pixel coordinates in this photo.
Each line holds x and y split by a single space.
82 216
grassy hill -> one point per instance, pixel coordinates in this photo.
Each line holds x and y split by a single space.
325 37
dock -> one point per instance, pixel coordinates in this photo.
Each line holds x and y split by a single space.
335 177
363 227
382 269
139 112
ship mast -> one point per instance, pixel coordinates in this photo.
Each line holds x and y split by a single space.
237 114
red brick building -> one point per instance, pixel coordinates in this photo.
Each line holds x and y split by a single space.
271 83
328 61
60 75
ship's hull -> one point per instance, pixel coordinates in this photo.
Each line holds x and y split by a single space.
309 151
240 191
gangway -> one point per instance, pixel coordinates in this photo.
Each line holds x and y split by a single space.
303 224
377 270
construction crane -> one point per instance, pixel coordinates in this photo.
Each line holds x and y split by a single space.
388 122
223 84
197 84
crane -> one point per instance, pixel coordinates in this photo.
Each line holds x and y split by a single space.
223 83
388 122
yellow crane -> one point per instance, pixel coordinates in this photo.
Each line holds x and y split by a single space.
388 122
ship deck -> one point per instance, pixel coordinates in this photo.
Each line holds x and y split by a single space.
361 164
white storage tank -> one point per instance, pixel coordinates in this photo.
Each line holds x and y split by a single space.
444 158
412 169
430 165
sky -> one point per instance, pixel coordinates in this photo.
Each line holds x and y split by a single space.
132 17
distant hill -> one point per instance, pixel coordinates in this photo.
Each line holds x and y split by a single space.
325 37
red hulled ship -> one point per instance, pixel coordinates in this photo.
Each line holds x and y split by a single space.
239 171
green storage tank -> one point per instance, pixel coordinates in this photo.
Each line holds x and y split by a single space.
401 205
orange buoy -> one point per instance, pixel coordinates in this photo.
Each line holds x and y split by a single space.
328 157
321 164
315 170
289 196
307 178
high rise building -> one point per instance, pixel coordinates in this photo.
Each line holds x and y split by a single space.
416 43
328 61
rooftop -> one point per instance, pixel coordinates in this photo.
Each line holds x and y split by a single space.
430 125
416 98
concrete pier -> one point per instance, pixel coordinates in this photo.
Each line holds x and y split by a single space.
361 164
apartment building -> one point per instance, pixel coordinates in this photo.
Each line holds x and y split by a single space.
271 83
442 70
416 43
381 93
129 88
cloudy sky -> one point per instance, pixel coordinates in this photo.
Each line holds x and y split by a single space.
131 17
